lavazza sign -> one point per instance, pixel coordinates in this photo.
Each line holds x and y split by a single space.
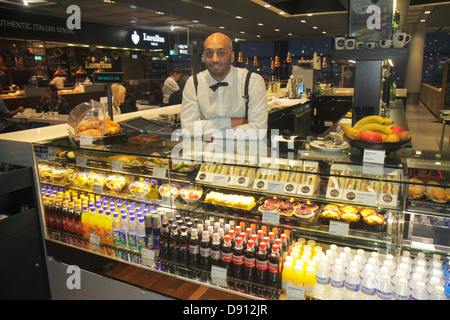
154 40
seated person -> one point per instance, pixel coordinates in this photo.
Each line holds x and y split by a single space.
7 125
129 102
51 101
177 96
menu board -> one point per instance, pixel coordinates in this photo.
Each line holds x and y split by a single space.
370 20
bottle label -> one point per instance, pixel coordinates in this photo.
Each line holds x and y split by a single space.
384 295
262 265
274 267
354 287
238 260
215 254
116 236
132 240
193 249
322 280
250 262
368 291
337 283
227 256
205 252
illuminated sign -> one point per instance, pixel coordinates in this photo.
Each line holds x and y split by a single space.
108 77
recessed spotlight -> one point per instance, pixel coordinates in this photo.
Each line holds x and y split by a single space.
314 27
303 21
290 34
309 14
207 7
242 32
195 21
159 12
281 12
267 5
277 30
260 24
423 20
427 12
221 27
258 36
324 32
238 17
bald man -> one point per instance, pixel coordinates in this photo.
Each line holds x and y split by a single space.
218 101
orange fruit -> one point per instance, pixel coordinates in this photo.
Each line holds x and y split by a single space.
392 138
404 135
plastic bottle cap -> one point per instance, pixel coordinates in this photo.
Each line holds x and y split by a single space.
275 247
420 285
238 240
250 243
310 270
262 245
298 268
403 282
288 265
227 238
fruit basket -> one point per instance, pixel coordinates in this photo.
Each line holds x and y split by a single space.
387 146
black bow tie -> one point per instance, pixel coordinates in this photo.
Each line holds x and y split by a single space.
218 84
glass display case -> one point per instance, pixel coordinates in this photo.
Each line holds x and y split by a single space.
243 222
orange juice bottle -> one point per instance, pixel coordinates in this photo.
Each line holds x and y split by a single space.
297 277
310 281
286 275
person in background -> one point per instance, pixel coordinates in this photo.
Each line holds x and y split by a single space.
218 102
118 97
155 93
177 96
6 125
58 82
171 84
51 101
129 102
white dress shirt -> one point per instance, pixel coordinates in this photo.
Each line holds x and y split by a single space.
169 87
214 110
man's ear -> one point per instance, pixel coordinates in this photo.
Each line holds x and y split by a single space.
232 56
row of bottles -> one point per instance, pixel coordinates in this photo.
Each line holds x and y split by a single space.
343 274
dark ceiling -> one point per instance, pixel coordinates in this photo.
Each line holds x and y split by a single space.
249 20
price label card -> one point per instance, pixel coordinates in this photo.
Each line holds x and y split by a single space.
94 241
339 228
165 201
159 172
86 140
117 166
275 186
295 293
97 188
368 198
148 257
271 217
219 276
81 161
374 156
220 179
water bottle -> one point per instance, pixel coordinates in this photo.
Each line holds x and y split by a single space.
368 286
439 294
420 257
322 281
367 268
420 292
399 274
432 284
124 229
337 281
132 233
385 288
376 267
416 277
352 284
402 290
406 268
141 235
435 259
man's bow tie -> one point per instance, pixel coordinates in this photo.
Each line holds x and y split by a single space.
218 84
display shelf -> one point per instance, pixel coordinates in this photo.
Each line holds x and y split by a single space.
397 232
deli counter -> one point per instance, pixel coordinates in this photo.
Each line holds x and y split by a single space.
178 208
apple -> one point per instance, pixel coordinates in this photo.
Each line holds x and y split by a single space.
397 129
371 136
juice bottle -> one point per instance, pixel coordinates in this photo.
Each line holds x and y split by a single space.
287 275
297 276
85 221
108 223
92 221
310 281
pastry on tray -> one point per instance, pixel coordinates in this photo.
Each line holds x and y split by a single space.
276 201
330 214
350 217
374 219
367 212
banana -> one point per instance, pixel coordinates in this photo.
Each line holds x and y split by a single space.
373 119
351 132
377 128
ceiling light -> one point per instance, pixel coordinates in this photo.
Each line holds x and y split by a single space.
258 36
423 20
267 5
277 30
221 27
195 21
281 12
242 32
302 21
309 14
324 32
25 2
314 27
207 7
289 34
159 12
260 24
238 17
427 12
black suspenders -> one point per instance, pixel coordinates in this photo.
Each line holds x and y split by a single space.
245 96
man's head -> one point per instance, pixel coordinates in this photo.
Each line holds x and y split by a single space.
176 73
218 55
51 90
